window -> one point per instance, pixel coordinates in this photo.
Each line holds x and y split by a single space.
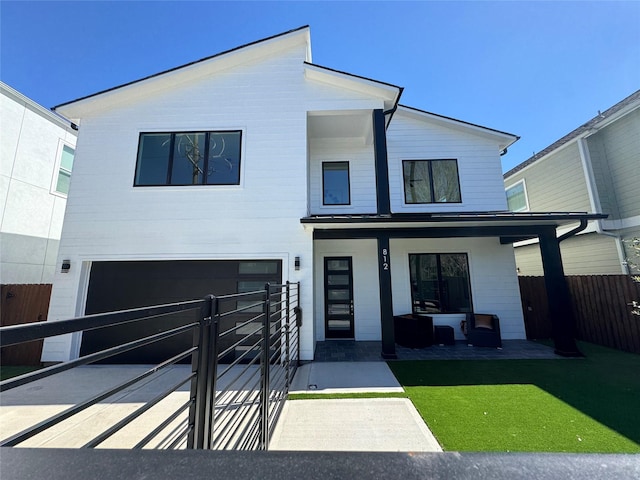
431 181
440 282
517 197
335 183
64 172
189 158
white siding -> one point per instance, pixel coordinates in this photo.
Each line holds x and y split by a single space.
494 283
479 168
30 213
362 181
108 219
366 290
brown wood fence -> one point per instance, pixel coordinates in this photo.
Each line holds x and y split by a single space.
600 304
23 304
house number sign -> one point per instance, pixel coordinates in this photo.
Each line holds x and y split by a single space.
384 257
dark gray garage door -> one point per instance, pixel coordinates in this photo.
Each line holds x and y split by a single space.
123 285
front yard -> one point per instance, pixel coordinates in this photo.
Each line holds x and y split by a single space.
567 405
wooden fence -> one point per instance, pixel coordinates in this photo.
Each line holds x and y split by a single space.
23 304
600 304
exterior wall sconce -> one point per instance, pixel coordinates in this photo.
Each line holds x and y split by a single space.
297 263
66 266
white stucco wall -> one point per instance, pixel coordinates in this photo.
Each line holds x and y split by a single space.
31 211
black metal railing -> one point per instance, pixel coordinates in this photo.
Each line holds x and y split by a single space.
244 354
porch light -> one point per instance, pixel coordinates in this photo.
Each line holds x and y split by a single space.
66 266
297 263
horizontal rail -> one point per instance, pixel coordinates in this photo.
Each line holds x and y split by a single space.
15 334
60 417
94 357
132 416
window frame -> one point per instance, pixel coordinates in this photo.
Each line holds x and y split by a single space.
58 167
440 281
431 183
524 190
170 160
347 163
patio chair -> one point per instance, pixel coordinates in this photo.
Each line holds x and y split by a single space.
483 330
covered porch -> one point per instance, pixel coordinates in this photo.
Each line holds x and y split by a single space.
408 232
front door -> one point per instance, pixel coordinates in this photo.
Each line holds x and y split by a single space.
338 294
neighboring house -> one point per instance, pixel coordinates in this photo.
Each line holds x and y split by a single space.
36 159
256 165
595 168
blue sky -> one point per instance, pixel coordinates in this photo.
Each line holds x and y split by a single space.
535 69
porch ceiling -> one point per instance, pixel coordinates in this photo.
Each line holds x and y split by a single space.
347 124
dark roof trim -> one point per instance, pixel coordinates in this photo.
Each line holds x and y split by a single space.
182 66
452 217
353 75
576 133
461 121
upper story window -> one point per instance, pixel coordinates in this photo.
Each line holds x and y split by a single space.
431 181
64 171
335 183
517 197
189 158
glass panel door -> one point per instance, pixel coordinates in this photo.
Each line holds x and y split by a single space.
338 294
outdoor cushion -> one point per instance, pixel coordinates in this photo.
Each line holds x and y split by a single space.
483 321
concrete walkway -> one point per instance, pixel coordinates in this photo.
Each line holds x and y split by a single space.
368 424
380 424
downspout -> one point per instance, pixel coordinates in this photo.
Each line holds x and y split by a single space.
594 200
571 233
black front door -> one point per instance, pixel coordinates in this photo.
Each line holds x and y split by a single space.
338 294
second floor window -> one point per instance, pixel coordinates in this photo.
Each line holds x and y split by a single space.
517 197
64 172
189 158
335 183
431 181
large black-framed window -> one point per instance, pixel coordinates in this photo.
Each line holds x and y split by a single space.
431 181
189 158
440 282
335 183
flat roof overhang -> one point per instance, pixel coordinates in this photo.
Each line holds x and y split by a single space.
509 226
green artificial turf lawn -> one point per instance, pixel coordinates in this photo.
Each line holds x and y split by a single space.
566 405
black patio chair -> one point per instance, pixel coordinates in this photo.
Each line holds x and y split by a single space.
483 330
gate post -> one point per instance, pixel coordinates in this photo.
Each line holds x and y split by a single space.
287 357
264 387
199 366
212 373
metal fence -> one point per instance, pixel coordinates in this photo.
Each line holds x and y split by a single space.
244 354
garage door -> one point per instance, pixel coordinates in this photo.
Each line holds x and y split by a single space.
123 285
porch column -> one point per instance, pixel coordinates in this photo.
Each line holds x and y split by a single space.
381 162
558 296
386 304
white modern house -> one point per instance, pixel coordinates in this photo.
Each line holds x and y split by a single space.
257 165
36 159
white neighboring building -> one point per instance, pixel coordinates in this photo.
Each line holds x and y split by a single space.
36 158
216 176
